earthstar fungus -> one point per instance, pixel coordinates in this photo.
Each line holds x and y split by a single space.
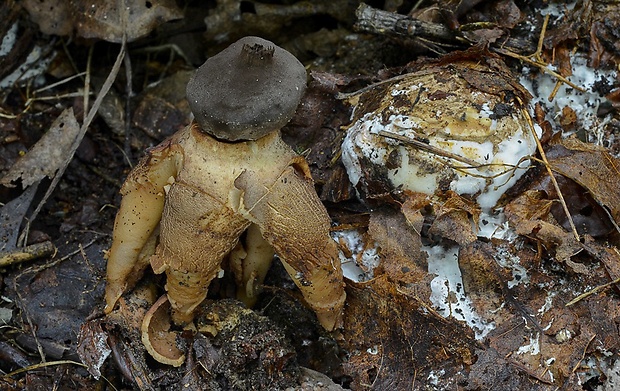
248 90
187 203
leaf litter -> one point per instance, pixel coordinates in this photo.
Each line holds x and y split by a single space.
550 300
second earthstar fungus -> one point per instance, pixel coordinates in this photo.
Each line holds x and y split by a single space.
188 202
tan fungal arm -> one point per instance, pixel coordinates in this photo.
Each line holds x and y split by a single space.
254 265
157 338
294 221
197 231
137 219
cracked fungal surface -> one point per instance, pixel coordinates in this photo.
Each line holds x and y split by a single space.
186 204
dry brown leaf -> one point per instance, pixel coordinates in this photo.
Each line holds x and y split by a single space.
608 256
456 219
480 273
101 19
589 217
93 348
526 214
577 267
552 236
48 154
394 338
52 16
562 333
592 167
11 216
399 246
414 202
530 205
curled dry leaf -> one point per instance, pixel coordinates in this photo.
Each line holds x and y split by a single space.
528 214
101 19
11 215
126 320
592 167
589 217
159 341
456 219
93 348
48 154
398 239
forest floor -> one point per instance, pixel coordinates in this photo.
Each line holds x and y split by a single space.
531 303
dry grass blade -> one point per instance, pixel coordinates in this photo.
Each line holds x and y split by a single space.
89 118
542 66
51 364
43 365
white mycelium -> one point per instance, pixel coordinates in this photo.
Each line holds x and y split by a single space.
481 144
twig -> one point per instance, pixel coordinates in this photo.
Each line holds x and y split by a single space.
541 39
59 83
390 23
536 60
89 118
76 94
542 66
429 148
28 253
377 21
38 268
576 366
591 292
549 170
87 81
528 372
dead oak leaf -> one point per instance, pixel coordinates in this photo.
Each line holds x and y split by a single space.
399 246
528 213
101 19
48 154
393 337
591 166
456 219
